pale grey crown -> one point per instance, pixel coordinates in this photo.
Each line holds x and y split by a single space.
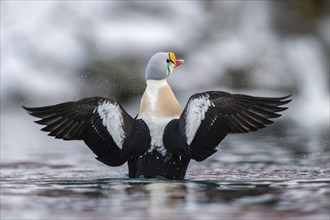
157 66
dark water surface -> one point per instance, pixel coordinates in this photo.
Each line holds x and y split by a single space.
279 173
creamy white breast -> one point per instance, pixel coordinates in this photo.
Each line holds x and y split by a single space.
158 107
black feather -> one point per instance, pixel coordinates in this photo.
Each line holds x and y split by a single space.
227 113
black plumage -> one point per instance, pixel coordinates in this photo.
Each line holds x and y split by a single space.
216 113
80 121
227 113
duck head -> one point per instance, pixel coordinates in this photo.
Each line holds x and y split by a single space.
161 65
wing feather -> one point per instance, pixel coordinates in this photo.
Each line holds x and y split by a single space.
225 113
101 123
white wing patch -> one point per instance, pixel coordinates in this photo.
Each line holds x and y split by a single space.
195 114
112 119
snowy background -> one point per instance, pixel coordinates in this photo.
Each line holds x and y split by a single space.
57 50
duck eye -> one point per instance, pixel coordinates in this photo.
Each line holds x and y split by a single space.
168 60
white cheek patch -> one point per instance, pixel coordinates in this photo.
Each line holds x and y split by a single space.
112 119
194 115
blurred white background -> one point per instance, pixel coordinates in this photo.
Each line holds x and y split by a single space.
55 51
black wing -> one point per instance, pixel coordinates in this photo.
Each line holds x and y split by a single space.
106 128
208 117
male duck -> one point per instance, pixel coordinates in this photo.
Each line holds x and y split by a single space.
163 138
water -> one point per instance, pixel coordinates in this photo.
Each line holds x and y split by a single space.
200 198
275 173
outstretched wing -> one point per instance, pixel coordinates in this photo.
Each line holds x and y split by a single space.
106 128
208 117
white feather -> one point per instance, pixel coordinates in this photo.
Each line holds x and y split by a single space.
194 115
152 90
112 119
156 127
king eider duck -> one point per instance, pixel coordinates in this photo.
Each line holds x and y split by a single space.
162 139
